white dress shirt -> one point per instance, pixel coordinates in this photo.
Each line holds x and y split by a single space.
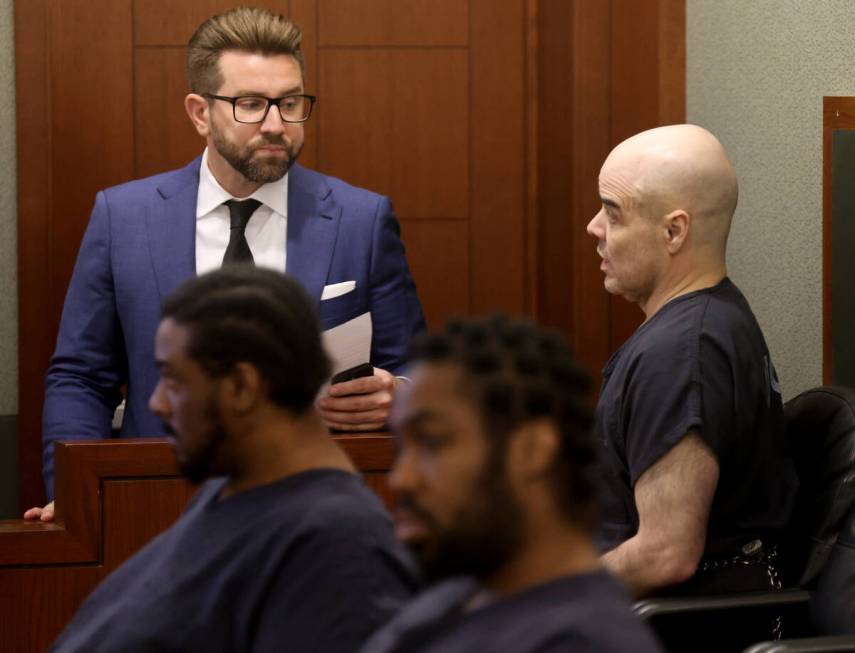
266 231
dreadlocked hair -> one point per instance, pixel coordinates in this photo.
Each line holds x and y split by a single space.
521 372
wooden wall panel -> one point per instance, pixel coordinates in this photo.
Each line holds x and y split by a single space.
305 14
165 137
41 601
557 229
494 196
396 121
498 157
592 142
438 252
393 22
167 22
80 110
91 117
136 512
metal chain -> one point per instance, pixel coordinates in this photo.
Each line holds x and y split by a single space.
753 555
775 582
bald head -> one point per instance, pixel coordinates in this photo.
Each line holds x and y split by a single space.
679 167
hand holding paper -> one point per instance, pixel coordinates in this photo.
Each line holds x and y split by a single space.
361 404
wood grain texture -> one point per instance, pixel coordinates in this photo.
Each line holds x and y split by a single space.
592 141
84 122
390 23
305 14
37 602
395 121
438 252
165 137
558 228
497 158
134 512
171 23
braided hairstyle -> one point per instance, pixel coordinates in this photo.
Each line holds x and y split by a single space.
518 372
245 313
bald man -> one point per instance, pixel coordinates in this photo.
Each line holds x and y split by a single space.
699 478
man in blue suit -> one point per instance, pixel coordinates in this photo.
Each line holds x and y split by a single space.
244 200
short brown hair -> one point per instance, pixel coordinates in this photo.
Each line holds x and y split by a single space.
247 29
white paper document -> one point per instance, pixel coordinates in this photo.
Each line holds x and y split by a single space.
349 344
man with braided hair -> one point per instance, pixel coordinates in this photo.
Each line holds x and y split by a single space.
496 497
698 476
283 547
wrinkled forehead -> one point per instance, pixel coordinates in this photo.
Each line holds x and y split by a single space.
620 180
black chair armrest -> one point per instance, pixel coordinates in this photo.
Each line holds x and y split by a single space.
728 622
806 645
661 607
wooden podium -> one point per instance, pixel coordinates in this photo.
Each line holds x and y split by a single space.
112 496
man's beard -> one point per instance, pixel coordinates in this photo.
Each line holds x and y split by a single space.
484 535
202 464
255 169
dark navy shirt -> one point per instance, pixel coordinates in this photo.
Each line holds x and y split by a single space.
699 364
308 563
583 613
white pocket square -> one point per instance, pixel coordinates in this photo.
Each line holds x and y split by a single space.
337 289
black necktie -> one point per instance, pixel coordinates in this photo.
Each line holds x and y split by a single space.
238 250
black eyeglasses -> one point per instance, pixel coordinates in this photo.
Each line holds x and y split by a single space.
252 109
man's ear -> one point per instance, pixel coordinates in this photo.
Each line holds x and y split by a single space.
242 388
532 450
199 111
677 225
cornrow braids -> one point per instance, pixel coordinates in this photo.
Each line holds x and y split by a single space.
254 315
520 372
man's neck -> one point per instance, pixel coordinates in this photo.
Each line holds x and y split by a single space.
684 284
276 448
561 551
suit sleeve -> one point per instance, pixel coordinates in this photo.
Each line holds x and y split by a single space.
89 364
395 308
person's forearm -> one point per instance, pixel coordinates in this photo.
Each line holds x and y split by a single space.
645 566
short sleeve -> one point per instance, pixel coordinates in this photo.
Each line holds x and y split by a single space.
662 400
683 382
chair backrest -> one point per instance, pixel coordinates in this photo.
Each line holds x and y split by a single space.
821 432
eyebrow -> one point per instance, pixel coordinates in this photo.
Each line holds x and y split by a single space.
610 203
296 90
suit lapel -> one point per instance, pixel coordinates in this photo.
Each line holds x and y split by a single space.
313 219
171 221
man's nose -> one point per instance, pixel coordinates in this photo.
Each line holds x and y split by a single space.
273 120
403 476
157 403
594 227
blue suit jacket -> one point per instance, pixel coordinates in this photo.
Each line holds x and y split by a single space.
140 245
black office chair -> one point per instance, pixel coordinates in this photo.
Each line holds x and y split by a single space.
832 605
821 431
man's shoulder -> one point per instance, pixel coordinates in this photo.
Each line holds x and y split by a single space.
165 182
341 190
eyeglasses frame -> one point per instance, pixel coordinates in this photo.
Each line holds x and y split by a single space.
270 102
